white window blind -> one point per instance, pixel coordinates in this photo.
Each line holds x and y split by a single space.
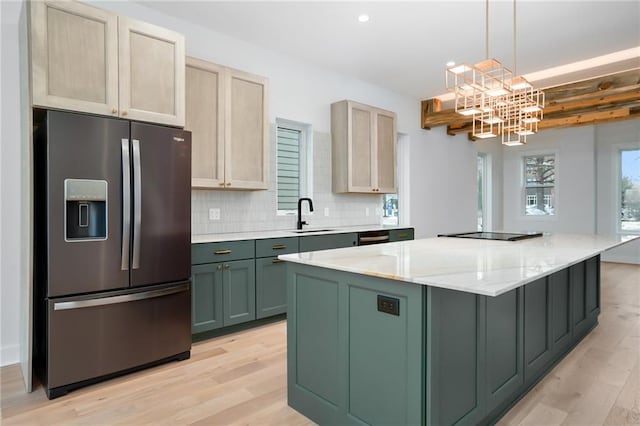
288 166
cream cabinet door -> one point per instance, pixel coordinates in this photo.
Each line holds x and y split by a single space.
152 70
246 131
74 57
386 142
205 83
361 148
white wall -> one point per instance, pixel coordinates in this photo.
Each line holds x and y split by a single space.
13 177
610 138
494 151
443 184
575 182
587 179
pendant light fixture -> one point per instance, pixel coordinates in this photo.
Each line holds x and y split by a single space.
499 102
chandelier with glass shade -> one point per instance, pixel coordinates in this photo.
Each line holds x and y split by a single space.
500 102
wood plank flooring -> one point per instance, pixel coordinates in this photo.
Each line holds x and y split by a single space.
241 379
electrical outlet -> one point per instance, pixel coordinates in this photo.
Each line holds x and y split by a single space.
326 211
214 214
366 211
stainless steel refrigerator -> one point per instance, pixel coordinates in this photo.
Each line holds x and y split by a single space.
112 247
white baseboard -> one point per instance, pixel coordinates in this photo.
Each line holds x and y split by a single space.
9 354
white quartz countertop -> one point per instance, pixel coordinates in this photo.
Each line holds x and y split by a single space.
259 235
483 267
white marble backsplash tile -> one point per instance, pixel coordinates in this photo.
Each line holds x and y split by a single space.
246 211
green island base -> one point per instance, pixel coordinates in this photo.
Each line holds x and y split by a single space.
447 357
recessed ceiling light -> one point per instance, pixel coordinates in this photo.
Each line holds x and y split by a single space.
363 18
450 63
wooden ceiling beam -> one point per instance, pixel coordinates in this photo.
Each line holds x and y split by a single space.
567 105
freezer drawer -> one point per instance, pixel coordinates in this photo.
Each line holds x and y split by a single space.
90 338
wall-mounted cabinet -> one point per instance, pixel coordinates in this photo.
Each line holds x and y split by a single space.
227 115
364 148
90 60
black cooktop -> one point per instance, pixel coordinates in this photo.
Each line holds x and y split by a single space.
502 236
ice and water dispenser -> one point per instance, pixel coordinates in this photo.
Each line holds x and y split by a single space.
85 210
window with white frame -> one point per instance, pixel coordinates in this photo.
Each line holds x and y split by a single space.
629 191
481 212
539 185
293 178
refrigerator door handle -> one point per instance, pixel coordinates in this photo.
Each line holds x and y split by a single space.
137 204
124 298
126 205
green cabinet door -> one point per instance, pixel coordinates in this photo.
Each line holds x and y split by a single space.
592 286
578 299
329 241
271 287
504 366
239 289
206 297
538 342
560 288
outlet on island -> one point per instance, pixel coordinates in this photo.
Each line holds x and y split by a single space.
214 214
326 211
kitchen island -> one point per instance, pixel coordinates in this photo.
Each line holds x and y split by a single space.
435 331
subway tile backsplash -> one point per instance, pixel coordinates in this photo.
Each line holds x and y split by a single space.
246 211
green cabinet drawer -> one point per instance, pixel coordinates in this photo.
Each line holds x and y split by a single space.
325 242
271 287
276 246
400 234
222 252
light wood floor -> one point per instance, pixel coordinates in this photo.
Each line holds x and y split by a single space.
241 379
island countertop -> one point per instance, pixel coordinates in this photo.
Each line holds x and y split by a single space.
484 267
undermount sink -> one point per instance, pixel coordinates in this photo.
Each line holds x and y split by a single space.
304 231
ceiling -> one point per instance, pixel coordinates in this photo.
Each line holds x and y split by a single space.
406 45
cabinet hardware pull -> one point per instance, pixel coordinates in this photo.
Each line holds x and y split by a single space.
228 183
227 266
219 268
226 251
221 184
279 247
114 110
374 239
403 235
124 112
277 261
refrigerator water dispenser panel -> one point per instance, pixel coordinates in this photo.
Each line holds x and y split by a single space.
85 210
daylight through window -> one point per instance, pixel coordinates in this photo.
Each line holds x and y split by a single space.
629 191
539 185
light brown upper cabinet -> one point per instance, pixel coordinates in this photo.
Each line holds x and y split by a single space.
363 148
87 59
228 119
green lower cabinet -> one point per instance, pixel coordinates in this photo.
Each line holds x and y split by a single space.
362 349
222 294
504 337
349 362
560 288
454 355
239 289
206 297
538 340
271 287
329 241
400 235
